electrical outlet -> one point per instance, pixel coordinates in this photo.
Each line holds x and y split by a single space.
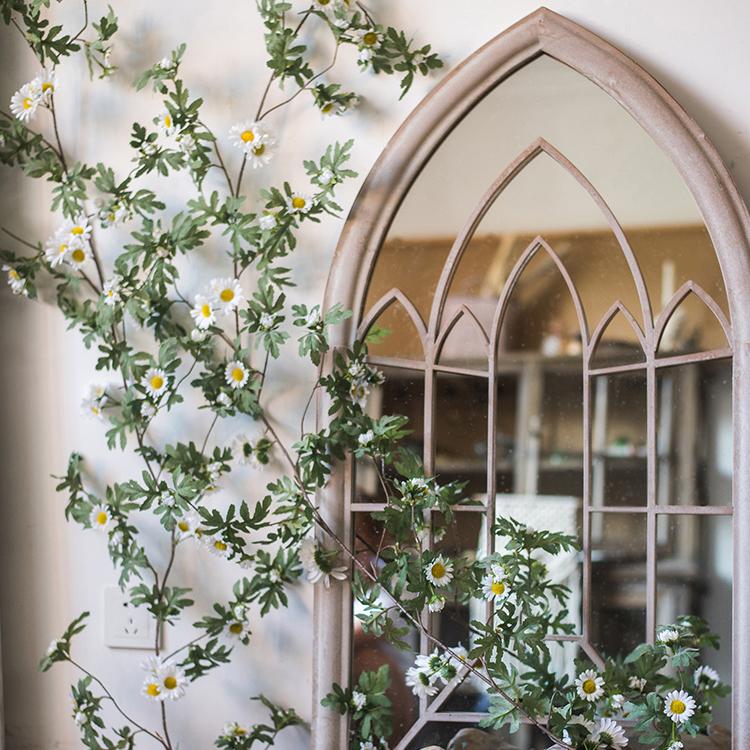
126 626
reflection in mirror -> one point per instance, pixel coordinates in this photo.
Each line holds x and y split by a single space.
692 327
393 334
618 440
618 582
402 392
694 434
694 574
549 204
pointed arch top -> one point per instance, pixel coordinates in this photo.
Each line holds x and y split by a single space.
544 32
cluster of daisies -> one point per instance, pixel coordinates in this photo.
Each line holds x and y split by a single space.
430 671
164 680
94 400
256 141
222 297
34 94
70 245
362 379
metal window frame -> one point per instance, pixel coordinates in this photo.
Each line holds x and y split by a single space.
725 216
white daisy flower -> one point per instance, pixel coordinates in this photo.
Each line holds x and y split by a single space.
198 335
494 585
165 63
364 56
110 292
53 646
637 683
317 564
589 685
46 82
114 215
223 400
165 123
148 410
236 374
93 402
679 706
439 572
667 635
325 177
367 745
236 631
227 294
266 321
459 658
100 517
203 312
79 718
358 700
234 729
609 734
676 745
299 203
618 701
421 682
155 382
15 281
57 248
367 38
172 681
78 230
255 139
436 603
578 720
25 102
216 545
267 221
187 143
79 255
189 525
706 676
365 439
151 688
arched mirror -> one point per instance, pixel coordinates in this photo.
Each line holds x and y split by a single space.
556 262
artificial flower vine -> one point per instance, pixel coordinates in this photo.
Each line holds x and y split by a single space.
222 342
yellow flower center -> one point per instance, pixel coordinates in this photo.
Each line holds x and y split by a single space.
677 707
13 274
170 683
183 526
77 230
498 588
27 102
219 545
299 202
206 310
247 135
240 731
152 689
235 628
438 570
226 295
326 108
238 374
62 249
260 149
47 86
167 121
157 381
589 686
370 38
102 517
78 255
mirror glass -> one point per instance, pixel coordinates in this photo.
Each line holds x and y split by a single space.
595 233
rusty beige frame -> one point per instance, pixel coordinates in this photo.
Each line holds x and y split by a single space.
726 218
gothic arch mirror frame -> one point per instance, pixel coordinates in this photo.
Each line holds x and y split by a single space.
725 217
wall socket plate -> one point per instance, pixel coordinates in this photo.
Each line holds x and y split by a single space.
126 626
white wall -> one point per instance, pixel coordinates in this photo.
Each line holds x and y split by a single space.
49 571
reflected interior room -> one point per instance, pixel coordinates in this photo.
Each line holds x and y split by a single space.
560 432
